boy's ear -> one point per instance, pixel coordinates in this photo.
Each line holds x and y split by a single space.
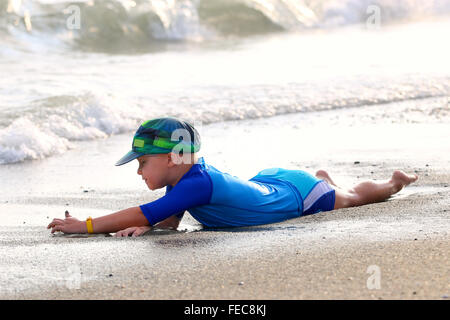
170 162
174 159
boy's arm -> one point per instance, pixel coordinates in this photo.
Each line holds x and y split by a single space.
110 223
180 198
119 220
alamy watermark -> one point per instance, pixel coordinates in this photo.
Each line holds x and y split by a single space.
373 21
184 147
73 277
374 280
73 21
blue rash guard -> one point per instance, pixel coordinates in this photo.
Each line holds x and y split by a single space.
218 199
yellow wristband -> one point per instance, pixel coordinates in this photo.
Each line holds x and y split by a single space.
90 229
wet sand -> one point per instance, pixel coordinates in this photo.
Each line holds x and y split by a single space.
397 249
325 256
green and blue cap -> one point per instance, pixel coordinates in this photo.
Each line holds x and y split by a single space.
163 135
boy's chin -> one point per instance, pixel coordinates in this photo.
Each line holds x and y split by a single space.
152 188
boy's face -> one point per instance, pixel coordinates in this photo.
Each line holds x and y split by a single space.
154 169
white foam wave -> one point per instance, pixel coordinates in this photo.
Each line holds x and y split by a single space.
142 25
53 130
42 134
24 140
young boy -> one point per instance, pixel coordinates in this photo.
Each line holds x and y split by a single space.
166 149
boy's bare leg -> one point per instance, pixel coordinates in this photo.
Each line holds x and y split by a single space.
368 191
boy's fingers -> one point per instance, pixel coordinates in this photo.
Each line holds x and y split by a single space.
54 222
119 233
134 232
138 232
56 228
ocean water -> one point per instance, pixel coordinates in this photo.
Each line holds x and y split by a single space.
74 72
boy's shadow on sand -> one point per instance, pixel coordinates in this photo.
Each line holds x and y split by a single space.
255 228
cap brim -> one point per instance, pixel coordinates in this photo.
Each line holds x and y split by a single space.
130 156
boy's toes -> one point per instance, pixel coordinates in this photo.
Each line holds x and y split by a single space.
412 177
402 177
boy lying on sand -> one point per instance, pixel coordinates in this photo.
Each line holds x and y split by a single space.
166 151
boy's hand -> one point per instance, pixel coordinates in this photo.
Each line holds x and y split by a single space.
133 231
68 225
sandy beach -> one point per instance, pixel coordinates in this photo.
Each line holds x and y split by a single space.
397 249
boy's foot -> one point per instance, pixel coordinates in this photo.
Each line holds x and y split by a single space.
322 174
400 179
